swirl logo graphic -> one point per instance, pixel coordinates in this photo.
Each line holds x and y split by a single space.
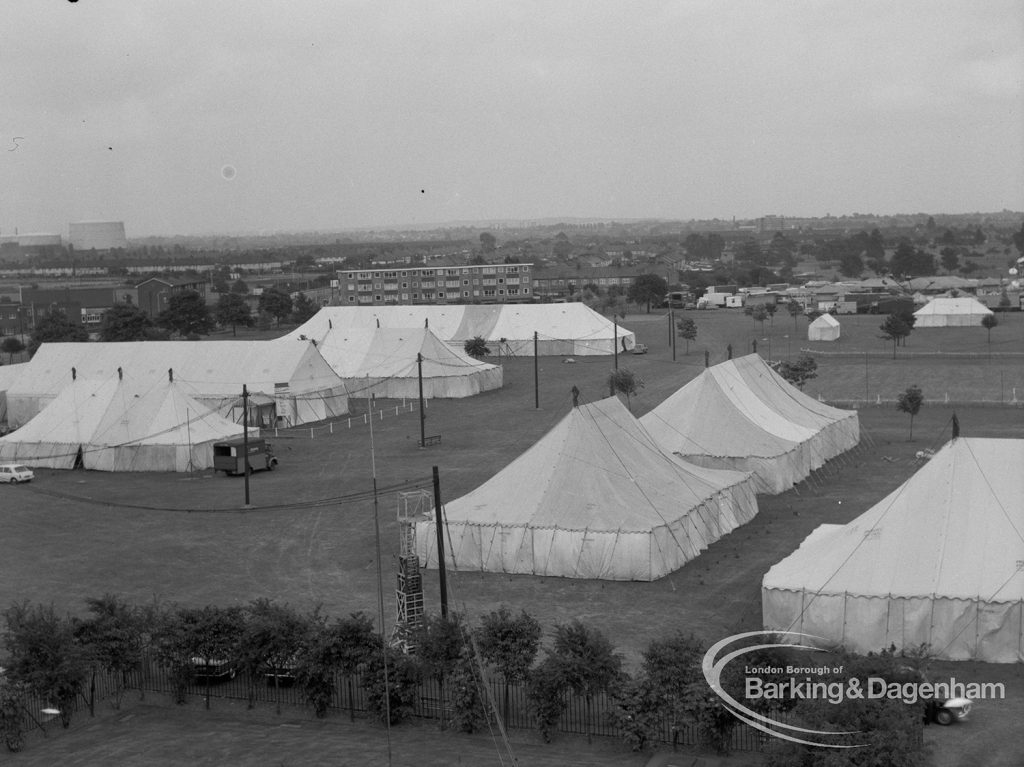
713 666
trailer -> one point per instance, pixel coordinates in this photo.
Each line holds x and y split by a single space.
230 457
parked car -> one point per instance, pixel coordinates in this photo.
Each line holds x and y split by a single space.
13 473
942 711
946 710
213 669
640 349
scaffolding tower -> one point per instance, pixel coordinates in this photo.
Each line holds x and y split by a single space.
409 591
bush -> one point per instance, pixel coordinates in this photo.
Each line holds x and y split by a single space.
544 691
403 684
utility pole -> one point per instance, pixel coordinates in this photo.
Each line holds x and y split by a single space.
616 342
439 527
245 440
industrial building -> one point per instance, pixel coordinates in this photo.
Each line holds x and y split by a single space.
97 235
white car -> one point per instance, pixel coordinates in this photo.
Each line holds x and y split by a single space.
13 473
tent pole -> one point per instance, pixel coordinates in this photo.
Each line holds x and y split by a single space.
423 415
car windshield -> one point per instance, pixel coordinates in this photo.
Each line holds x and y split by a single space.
20 468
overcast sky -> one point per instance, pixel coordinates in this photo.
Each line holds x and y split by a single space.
185 117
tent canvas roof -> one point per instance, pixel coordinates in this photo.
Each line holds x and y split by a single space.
960 305
460 323
954 529
717 414
597 469
96 414
594 498
391 352
215 368
825 321
785 398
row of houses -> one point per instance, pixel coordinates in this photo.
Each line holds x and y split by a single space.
22 307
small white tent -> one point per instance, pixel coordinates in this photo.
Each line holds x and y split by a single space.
593 498
389 362
936 562
561 329
740 414
951 312
113 425
824 328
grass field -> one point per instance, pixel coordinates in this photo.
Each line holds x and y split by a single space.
72 535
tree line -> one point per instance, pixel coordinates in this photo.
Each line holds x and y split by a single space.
54 657
187 316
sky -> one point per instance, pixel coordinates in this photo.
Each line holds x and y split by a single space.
182 117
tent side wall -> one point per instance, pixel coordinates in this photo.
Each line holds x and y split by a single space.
434 387
152 457
770 475
953 629
618 555
42 455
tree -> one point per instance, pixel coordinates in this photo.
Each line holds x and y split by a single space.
303 308
186 314
687 329
910 402
635 712
55 327
585 661
208 637
988 322
395 699
239 286
950 259
44 655
232 309
510 644
114 633
624 381
1018 240
439 644
851 265
795 309
799 372
125 322
276 302
672 670
342 647
562 246
893 329
888 730
647 289
544 692
911 262
759 313
476 347
487 242
270 643
11 346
